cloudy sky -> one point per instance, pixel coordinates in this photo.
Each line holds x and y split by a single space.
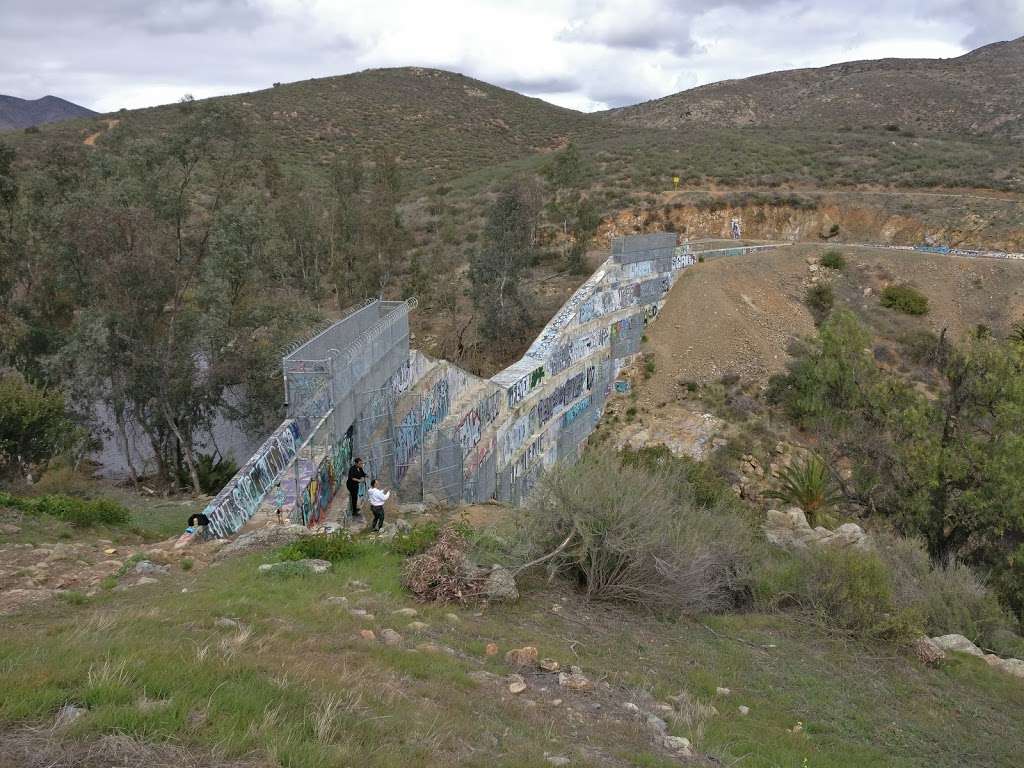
586 54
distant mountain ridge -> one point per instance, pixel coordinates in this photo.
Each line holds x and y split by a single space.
18 113
981 92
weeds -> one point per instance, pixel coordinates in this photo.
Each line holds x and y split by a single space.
82 513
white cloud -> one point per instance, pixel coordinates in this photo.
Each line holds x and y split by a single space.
583 54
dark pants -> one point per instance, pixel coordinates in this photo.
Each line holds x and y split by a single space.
353 495
378 518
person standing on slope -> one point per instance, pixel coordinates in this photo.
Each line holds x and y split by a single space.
377 499
356 475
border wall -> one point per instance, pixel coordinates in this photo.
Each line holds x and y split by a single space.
435 431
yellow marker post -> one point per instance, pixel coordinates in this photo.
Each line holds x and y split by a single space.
675 182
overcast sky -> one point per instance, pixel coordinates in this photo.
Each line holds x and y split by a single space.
585 54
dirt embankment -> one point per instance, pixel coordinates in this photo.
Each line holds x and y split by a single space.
890 218
737 315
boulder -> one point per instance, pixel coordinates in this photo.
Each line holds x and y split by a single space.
656 724
417 626
957 643
574 681
500 587
312 565
549 665
149 568
272 536
393 529
390 637
522 657
516 684
410 612
491 649
367 634
678 744
1013 667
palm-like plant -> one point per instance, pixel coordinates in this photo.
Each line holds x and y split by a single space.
809 485
1017 334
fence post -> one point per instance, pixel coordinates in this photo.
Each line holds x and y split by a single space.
423 463
298 458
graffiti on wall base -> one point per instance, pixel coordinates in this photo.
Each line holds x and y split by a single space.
241 497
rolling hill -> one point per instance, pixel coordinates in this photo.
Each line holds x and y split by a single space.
981 92
18 113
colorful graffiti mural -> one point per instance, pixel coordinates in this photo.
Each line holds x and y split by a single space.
241 497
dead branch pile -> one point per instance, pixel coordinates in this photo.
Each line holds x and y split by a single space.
444 573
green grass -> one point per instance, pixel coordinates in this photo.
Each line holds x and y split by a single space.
269 687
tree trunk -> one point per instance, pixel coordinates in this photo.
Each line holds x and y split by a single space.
126 448
186 447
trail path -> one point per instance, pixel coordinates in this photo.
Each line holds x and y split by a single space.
90 140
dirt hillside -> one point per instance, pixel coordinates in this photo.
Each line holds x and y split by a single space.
737 315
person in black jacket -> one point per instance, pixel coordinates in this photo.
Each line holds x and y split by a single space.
356 474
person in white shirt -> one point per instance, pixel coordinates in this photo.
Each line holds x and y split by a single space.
377 499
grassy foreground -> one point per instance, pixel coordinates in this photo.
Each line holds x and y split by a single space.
295 684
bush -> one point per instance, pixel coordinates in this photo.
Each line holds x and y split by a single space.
417 541
948 599
627 531
820 299
214 474
833 259
843 589
34 424
905 299
83 513
333 547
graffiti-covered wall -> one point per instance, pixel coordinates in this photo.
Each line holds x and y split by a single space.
240 498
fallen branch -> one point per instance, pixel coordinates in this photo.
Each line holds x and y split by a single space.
560 548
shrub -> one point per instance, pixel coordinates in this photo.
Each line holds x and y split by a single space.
905 299
34 425
83 513
833 259
649 365
417 541
820 299
213 473
808 484
949 599
627 531
843 589
334 547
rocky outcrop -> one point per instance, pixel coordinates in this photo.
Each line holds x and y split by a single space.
960 644
262 539
957 643
310 565
790 529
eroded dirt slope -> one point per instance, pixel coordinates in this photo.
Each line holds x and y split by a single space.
737 315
